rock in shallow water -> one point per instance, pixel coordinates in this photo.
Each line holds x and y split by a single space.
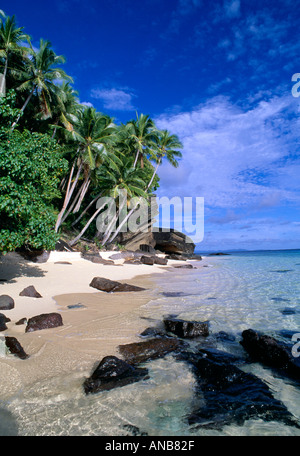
186 329
233 396
113 372
15 347
44 321
112 286
139 352
269 351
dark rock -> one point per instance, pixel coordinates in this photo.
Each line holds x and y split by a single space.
97 259
139 352
184 266
30 292
62 246
62 262
22 321
233 396
3 321
186 329
218 254
271 352
44 321
15 347
6 302
175 257
147 260
113 372
112 286
159 260
173 241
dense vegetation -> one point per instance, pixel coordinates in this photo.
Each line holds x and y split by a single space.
58 157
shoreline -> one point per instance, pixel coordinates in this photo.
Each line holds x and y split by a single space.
90 331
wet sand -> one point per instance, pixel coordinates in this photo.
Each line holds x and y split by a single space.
92 329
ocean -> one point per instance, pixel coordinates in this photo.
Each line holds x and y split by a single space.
258 290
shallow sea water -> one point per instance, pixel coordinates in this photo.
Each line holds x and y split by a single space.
258 290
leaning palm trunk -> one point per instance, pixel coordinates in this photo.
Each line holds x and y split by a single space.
75 200
76 239
153 175
86 209
134 208
112 223
69 192
23 108
82 195
136 158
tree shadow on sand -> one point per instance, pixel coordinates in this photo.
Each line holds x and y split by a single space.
13 265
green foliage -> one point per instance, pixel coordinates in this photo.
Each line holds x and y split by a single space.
8 111
41 121
31 165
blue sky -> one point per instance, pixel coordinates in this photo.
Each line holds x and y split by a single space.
219 75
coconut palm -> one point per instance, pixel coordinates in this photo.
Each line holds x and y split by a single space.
94 134
41 78
128 180
141 137
11 38
65 109
166 146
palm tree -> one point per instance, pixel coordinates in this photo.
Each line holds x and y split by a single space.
128 180
11 38
166 147
94 134
141 137
65 109
41 78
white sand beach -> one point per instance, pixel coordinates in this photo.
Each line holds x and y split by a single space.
92 329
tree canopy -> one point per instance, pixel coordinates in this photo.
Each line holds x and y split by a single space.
57 156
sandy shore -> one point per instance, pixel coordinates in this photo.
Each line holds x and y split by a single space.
90 331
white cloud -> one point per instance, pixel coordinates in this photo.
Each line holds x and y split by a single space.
114 99
233 157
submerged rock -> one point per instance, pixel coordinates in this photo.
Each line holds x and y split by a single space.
186 329
139 352
44 321
112 286
113 372
271 352
30 292
233 396
185 266
15 347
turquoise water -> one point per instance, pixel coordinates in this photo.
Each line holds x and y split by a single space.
258 290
